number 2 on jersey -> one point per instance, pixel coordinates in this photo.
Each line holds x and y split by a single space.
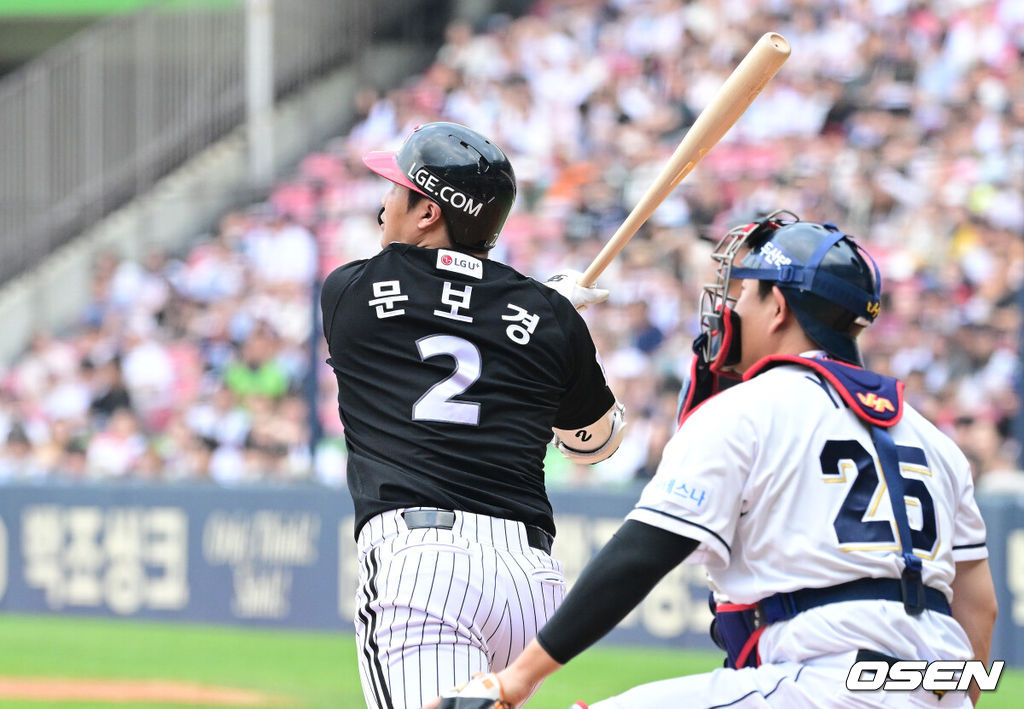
854 524
436 404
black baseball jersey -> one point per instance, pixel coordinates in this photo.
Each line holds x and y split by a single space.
451 373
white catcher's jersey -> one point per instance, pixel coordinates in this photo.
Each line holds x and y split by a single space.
791 496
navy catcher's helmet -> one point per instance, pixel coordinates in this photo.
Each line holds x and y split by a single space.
467 175
829 281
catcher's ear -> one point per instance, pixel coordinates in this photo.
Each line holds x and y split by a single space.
782 311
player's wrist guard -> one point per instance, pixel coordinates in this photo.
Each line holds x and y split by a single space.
617 430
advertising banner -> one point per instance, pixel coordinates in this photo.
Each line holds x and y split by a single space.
285 556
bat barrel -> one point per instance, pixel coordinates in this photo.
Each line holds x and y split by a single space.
737 93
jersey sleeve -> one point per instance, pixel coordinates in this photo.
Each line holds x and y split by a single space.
969 527
587 397
697 491
330 293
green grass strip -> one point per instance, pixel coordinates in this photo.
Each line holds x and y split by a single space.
317 670
77 8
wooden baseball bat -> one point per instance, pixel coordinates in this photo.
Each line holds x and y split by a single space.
735 96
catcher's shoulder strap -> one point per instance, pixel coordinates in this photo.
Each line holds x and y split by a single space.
875 398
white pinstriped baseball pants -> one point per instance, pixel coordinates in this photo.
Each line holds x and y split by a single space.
436 606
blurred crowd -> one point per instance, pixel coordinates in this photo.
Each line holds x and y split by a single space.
900 121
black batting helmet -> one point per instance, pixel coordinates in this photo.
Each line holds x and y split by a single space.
829 281
467 175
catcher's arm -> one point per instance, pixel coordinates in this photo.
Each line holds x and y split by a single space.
522 678
975 608
491 692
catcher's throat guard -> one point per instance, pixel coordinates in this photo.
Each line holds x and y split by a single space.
719 340
707 378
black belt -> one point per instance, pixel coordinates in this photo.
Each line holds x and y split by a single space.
445 519
783 606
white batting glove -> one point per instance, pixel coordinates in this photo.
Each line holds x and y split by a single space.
567 283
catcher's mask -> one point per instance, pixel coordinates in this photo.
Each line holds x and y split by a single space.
466 174
828 280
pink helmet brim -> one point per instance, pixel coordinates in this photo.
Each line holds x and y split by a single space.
385 164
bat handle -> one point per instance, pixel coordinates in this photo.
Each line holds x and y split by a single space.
595 269
618 240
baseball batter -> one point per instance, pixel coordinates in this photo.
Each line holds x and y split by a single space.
836 523
452 371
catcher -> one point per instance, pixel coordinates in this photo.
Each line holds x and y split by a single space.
836 523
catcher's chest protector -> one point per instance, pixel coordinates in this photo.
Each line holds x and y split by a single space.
877 400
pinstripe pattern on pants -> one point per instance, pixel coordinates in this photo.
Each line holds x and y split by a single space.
435 606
